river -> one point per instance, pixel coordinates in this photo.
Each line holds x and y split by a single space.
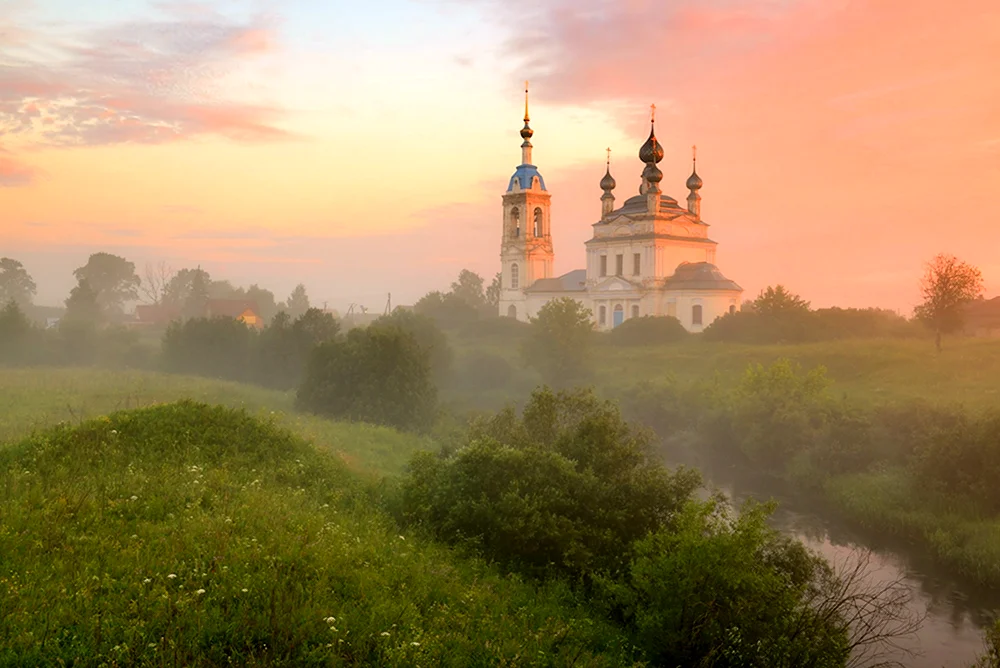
955 611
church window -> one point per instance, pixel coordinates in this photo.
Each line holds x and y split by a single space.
672 309
512 311
515 219
514 277
635 310
636 264
602 315
696 314
604 266
619 265
539 230
732 308
618 317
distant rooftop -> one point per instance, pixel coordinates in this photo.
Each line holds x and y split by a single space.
574 281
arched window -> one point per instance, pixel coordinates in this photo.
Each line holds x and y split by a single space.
732 308
512 311
602 316
696 314
515 220
515 279
635 310
619 316
539 231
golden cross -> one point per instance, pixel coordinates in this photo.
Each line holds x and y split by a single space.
609 156
652 113
694 153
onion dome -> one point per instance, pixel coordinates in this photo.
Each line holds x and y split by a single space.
526 131
694 181
652 173
652 150
608 182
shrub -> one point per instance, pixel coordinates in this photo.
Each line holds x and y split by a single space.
378 374
566 487
218 347
648 331
720 590
793 326
283 348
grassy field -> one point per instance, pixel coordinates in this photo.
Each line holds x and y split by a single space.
966 372
33 399
184 534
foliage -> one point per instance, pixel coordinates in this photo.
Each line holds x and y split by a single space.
750 326
298 301
469 288
842 323
263 298
963 460
198 536
218 347
113 278
647 331
16 283
283 347
427 335
18 337
777 300
380 375
492 294
559 345
947 285
83 306
446 309
716 589
990 658
564 488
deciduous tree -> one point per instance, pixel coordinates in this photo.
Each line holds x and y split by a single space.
113 278
298 301
560 341
947 285
15 283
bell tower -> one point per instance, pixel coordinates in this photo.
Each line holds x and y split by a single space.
526 245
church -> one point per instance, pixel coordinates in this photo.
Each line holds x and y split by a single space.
648 256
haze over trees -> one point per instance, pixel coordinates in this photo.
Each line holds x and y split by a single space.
16 284
948 284
559 343
113 279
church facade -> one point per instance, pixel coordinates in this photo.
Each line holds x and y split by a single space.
648 256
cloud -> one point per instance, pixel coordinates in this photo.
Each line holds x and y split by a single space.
15 174
142 81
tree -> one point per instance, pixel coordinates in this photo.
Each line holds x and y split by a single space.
558 345
777 300
196 296
564 488
298 301
427 335
379 375
155 281
264 298
15 335
469 288
179 286
217 347
947 285
113 278
648 331
83 306
493 294
15 283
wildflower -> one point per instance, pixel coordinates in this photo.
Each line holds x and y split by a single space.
200 592
415 644
134 498
146 581
401 538
330 620
245 590
172 576
384 634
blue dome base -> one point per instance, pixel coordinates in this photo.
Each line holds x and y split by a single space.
524 175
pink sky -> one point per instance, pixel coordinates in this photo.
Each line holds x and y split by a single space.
842 144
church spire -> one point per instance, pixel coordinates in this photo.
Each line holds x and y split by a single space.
607 185
651 153
694 184
526 131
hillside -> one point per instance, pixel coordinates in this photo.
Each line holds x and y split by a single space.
193 535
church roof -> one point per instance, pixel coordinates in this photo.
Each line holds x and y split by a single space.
636 205
574 281
524 174
699 276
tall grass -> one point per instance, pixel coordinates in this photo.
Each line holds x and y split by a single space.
184 534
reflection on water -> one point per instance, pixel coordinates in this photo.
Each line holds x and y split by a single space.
956 610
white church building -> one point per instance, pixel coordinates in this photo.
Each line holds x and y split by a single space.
648 256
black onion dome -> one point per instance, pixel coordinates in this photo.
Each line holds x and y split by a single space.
608 182
694 181
652 150
652 173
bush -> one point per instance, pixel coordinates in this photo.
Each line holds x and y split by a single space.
378 374
963 460
283 348
648 331
796 326
566 487
720 590
218 347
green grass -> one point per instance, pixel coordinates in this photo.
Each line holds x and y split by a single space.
32 399
184 534
868 371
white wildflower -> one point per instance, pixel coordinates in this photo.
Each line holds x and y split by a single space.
200 592
134 498
146 581
415 644
384 634
172 576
